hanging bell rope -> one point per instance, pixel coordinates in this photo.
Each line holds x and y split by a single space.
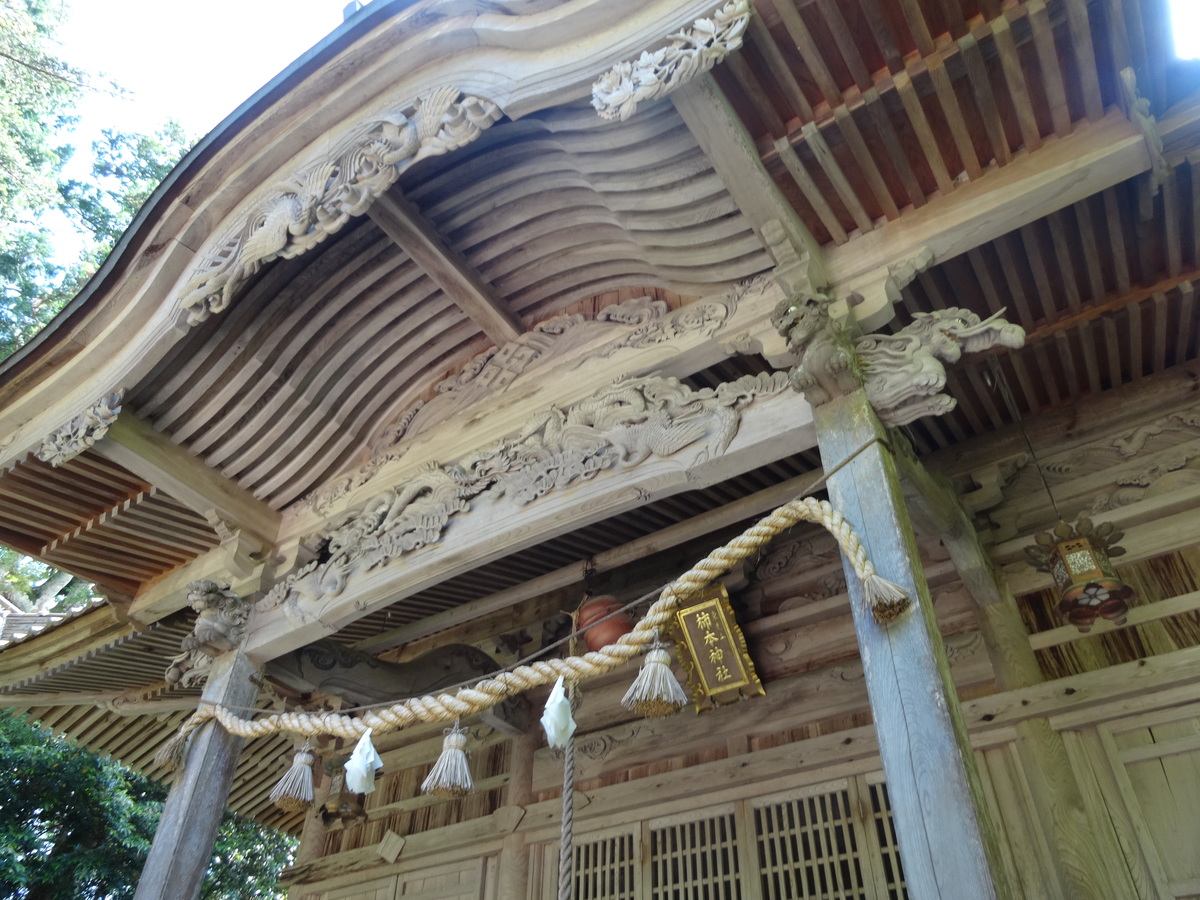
558 722
884 601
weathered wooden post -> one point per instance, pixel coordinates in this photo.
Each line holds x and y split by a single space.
183 843
942 822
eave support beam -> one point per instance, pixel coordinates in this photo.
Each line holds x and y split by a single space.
400 220
150 454
1095 156
734 156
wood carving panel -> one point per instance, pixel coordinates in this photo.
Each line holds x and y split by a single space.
639 322
317 200
82 431
691 52
619 426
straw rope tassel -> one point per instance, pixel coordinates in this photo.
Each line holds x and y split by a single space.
655 691
294 792
885 600
451 774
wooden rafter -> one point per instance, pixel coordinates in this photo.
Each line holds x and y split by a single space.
729 147
447 268
141 449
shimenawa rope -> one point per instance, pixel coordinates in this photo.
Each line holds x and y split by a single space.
885 601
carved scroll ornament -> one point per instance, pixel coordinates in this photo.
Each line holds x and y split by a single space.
220 626
639 322
82 431
317 201
903 373
617 93
620 425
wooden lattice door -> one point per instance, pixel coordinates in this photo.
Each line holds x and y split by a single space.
833 841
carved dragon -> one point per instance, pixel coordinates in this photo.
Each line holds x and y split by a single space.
621 424
904 374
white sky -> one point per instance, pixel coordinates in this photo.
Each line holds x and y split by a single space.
192 62
1185 16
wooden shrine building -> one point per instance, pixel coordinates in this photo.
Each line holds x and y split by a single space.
485 305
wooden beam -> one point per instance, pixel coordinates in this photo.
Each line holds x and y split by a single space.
183 842
1094 157
1058 799
946 840
731 150
771 428
936 512
152 455
609 560
400 220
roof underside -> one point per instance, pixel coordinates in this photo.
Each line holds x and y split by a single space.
864 112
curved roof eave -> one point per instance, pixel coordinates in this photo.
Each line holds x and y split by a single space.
112 333
118 259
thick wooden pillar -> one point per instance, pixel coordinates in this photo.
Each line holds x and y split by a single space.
1086 853
514 852
183 844
942 824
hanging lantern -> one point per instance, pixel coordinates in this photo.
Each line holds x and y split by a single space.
602 633
1077 558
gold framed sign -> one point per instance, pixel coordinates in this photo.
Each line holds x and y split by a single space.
717 663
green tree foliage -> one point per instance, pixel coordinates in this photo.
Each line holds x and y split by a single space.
36 587
76 825
125 171
38 92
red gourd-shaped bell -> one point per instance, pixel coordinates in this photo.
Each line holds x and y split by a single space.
608 631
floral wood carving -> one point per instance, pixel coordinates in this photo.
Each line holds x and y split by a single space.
220 626
620 425
317 201
617 93
82 431
639 322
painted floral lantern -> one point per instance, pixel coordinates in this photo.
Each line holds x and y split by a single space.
1077 558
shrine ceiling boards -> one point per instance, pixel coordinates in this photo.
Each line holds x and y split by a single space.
939 153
